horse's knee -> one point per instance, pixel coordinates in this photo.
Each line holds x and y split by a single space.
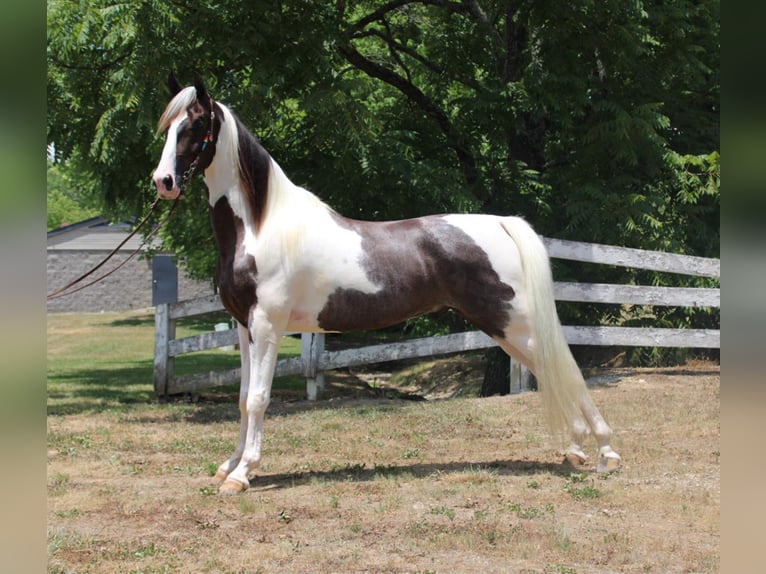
258 401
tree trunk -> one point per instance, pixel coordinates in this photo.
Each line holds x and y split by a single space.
497 374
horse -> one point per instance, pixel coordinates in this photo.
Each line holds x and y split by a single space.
288 261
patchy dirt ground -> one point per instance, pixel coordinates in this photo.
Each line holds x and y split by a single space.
361 482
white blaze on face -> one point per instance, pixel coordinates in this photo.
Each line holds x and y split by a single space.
165 174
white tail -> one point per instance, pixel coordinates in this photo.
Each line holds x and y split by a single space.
559 379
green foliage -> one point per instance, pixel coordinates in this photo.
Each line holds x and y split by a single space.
65 205
597 121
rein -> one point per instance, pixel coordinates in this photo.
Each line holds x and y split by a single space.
67 289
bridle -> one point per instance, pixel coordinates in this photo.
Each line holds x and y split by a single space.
191 170
185 179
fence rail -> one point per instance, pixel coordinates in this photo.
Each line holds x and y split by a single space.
314 359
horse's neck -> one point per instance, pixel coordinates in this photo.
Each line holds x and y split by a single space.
273 202
222 176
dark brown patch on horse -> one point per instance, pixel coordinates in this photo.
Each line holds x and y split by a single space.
236 270
422 265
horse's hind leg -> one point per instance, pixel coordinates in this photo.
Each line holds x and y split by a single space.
591 421
574 452
520 349
608 459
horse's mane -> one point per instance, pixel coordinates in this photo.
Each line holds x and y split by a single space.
178 105
271 195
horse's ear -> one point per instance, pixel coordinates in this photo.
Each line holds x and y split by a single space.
173 84
202 96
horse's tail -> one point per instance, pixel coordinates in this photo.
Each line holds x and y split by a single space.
559 379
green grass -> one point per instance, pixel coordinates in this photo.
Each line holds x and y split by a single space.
586 491
100 361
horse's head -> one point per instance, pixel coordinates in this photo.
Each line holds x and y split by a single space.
191 126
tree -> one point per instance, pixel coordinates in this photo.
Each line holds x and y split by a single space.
596 120
64 205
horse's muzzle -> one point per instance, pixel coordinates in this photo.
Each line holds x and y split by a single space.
166 186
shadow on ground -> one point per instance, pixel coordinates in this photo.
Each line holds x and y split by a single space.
363 473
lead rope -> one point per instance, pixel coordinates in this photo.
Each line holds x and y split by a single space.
67 289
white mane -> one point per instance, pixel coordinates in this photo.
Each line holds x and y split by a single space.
177 106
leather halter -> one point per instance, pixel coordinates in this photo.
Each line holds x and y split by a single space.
191 170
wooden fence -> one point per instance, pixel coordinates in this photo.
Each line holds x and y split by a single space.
314 359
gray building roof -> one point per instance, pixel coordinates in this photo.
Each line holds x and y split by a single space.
94 234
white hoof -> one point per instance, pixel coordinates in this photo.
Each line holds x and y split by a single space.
231 486
575 456
608 460
220 475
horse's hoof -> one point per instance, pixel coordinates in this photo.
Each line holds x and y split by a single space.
574 459
231 486
575 456
220 476
608 462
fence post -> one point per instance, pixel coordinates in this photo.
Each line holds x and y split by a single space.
312 346
164 332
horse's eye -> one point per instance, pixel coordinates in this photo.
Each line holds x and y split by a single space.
198 124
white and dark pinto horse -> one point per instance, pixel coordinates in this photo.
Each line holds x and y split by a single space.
287 261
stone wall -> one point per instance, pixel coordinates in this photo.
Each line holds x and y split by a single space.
130 287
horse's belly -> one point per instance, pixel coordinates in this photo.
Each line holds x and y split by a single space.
355 310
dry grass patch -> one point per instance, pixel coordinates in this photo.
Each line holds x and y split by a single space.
354 485
362 482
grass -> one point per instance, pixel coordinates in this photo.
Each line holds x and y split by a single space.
102 361
363 484
584 491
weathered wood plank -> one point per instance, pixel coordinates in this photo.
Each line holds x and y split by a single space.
289 366
164 331
202 342
426 347
198 381
473 340
638 294
198 306
312 345
629 257
455 343
643 337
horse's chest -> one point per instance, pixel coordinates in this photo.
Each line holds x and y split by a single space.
237 285
236 270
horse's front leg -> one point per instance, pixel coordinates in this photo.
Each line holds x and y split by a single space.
244 350
263 345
